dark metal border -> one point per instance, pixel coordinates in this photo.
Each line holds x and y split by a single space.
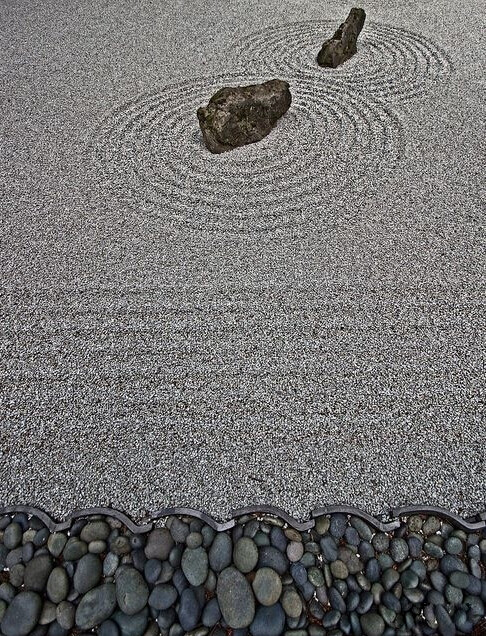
302 526
55 526
357 512
456 520
198 514
471 524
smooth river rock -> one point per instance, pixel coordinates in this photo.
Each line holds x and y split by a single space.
88 573
235 598
195 565
37 573
22 614
96 606
236 116
220 552
131 591
342 45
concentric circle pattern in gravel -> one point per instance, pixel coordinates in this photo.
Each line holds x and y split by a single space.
391 62
330 141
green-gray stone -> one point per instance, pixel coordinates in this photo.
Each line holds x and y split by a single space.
433 550
388 615
97 547
460 579
364 531
96 606
380 542
431 526
195 565
453 594
74 549
415 523
245 555
322 525
65 613
220 552
235 598
389 578
414 596
404 565
194 540
409 579
120 545
95 531
12 535
377 590
48 613
295 551
454 545
315 576
131 625
308 560
58 585
267 586
372 624
339 570
37 573
56 543
291 603
131 590
398 549
88 573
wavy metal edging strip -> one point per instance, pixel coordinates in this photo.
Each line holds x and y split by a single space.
442 512
302 526
198 514
357 512
54 526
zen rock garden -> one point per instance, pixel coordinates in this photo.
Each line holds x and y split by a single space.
260 578
241 115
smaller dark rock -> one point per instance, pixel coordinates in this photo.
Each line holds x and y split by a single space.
159 544
342 45
220 552
37 572
88 573
268 621
211 613
133 625
162 597
189 610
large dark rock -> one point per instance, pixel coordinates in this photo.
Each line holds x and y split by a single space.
243 114
342 45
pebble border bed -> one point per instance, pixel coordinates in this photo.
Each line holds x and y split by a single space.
262 573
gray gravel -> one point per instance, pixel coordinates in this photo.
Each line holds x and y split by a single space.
172 333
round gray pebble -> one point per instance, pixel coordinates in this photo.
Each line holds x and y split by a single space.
267 586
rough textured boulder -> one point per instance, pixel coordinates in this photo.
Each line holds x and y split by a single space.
243 114
342 45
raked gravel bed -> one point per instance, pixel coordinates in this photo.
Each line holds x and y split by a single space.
262 577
